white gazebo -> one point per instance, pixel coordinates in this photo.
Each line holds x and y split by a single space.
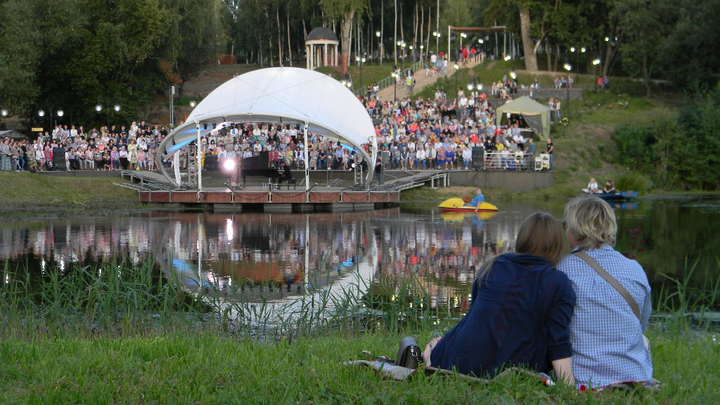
316 101
321 48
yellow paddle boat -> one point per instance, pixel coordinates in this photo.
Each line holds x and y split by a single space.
459 205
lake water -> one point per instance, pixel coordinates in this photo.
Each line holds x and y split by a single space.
280 256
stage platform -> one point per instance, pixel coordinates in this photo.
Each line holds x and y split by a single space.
258 198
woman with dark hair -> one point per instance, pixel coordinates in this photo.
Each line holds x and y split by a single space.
520 312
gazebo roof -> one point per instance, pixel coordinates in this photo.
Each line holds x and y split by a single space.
320 34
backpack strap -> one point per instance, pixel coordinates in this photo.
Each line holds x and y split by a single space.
612 281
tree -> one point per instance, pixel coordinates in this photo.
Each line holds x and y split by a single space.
646 26
346 10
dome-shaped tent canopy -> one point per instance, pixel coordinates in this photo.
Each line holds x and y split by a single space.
281 95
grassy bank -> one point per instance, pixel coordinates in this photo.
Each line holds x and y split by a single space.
123 334
29 192
207 368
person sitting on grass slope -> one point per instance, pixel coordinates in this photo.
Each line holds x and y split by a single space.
613 301
520 312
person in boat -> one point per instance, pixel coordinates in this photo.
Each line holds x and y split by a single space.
609 187
592 187
607 328
477 201
520 312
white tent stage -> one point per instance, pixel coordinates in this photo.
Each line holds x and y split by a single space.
316 101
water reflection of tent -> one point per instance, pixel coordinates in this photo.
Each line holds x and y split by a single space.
535 114
258 272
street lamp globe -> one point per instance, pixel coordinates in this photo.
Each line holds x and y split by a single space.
481 41
464 35
507 58
4 113
513 75
567 67
41 113
363 60
117 108
596 62
377 34
193 104
456 66
470 87
572 49
60 113
98 108
607 39
583 49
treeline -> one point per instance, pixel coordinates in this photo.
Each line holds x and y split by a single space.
76 54
677 153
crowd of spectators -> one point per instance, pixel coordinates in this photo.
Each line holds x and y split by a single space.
421 134
107 148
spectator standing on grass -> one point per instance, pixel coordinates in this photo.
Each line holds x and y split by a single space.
550 150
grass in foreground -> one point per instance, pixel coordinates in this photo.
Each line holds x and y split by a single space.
212 369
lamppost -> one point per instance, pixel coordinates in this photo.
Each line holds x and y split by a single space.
4 113
193 104
412 52
98 110
595 63
437 36
60 113
568 68
422 53
457 68
360 61
507 58
395 80
378 34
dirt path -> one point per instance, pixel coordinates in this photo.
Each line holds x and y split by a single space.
423 78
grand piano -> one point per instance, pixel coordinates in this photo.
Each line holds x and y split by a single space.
260 166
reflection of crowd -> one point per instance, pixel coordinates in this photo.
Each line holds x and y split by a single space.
264 250
445 256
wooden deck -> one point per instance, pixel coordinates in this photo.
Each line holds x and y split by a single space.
257 198
153 188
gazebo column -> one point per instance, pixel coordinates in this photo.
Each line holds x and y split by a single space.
336 55
325 55
312 57
307 57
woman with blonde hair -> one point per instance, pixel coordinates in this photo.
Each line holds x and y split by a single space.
520 312
613 300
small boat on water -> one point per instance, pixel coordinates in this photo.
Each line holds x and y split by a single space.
619 196
459 205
